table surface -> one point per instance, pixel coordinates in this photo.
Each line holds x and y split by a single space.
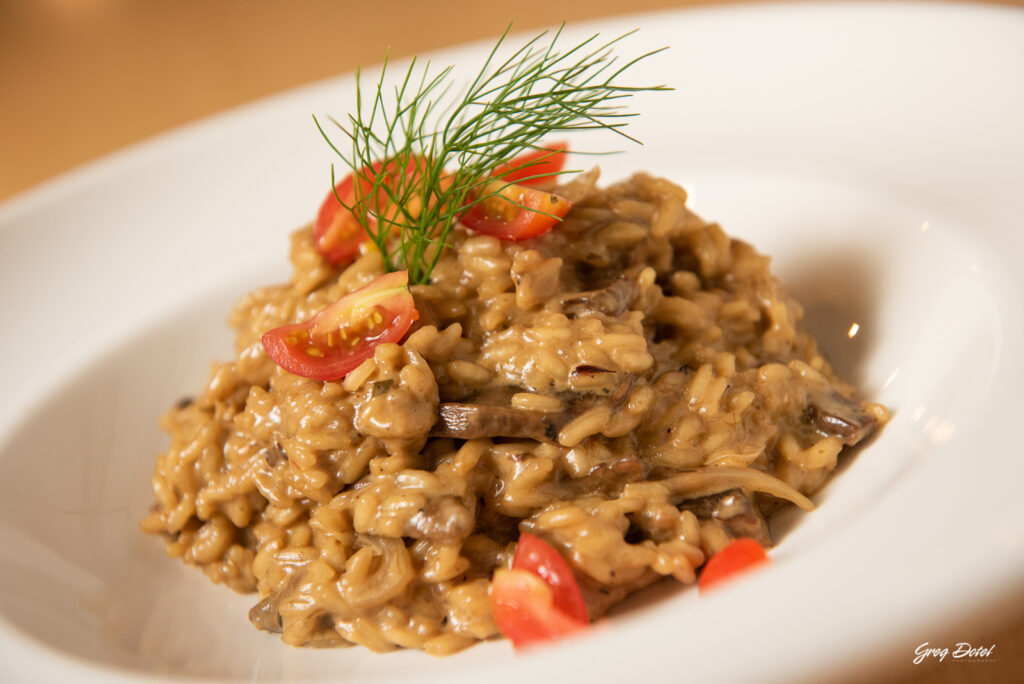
81 79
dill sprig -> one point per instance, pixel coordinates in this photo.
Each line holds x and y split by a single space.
434 151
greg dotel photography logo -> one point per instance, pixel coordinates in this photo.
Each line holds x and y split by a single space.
962 651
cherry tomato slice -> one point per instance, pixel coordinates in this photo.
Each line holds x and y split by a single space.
738 557
523 608
344 334
337 232
537 556
535 167
516 212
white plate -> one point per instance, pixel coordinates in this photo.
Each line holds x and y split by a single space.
875 150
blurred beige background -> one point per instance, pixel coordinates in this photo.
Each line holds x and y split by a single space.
81 78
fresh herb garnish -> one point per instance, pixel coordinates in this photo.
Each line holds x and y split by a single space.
426 155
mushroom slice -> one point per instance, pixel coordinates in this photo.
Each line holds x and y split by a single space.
737 513
609 477
265 614
470 421
833 414
611 300
443 519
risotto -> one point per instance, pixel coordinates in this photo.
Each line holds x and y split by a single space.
632 387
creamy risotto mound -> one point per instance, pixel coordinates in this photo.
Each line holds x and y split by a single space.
633 387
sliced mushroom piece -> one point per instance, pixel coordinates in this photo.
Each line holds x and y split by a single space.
585 370
833 414
737 513
265 614
470 421
611 300
609 477
444 519
485 419
585 379
274 454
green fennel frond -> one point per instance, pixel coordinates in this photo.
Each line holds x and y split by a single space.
421 154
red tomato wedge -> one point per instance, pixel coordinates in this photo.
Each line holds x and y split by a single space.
537 556
740 556
524 609
337 232
538 599
534 167
516 212
344 334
